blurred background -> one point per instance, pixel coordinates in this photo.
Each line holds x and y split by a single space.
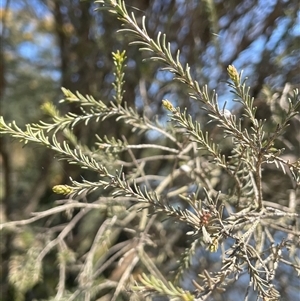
48 44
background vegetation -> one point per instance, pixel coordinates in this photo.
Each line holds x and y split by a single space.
92 246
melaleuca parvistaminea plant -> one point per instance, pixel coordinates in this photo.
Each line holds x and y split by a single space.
235 224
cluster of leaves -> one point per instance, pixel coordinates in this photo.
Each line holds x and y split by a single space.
251 235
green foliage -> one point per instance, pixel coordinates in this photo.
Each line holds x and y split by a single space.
25 263
156 285
226 213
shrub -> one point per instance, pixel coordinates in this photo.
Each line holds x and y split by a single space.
235 231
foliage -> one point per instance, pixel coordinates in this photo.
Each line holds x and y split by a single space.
215 190
21 68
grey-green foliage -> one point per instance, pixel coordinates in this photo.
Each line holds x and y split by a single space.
235 220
